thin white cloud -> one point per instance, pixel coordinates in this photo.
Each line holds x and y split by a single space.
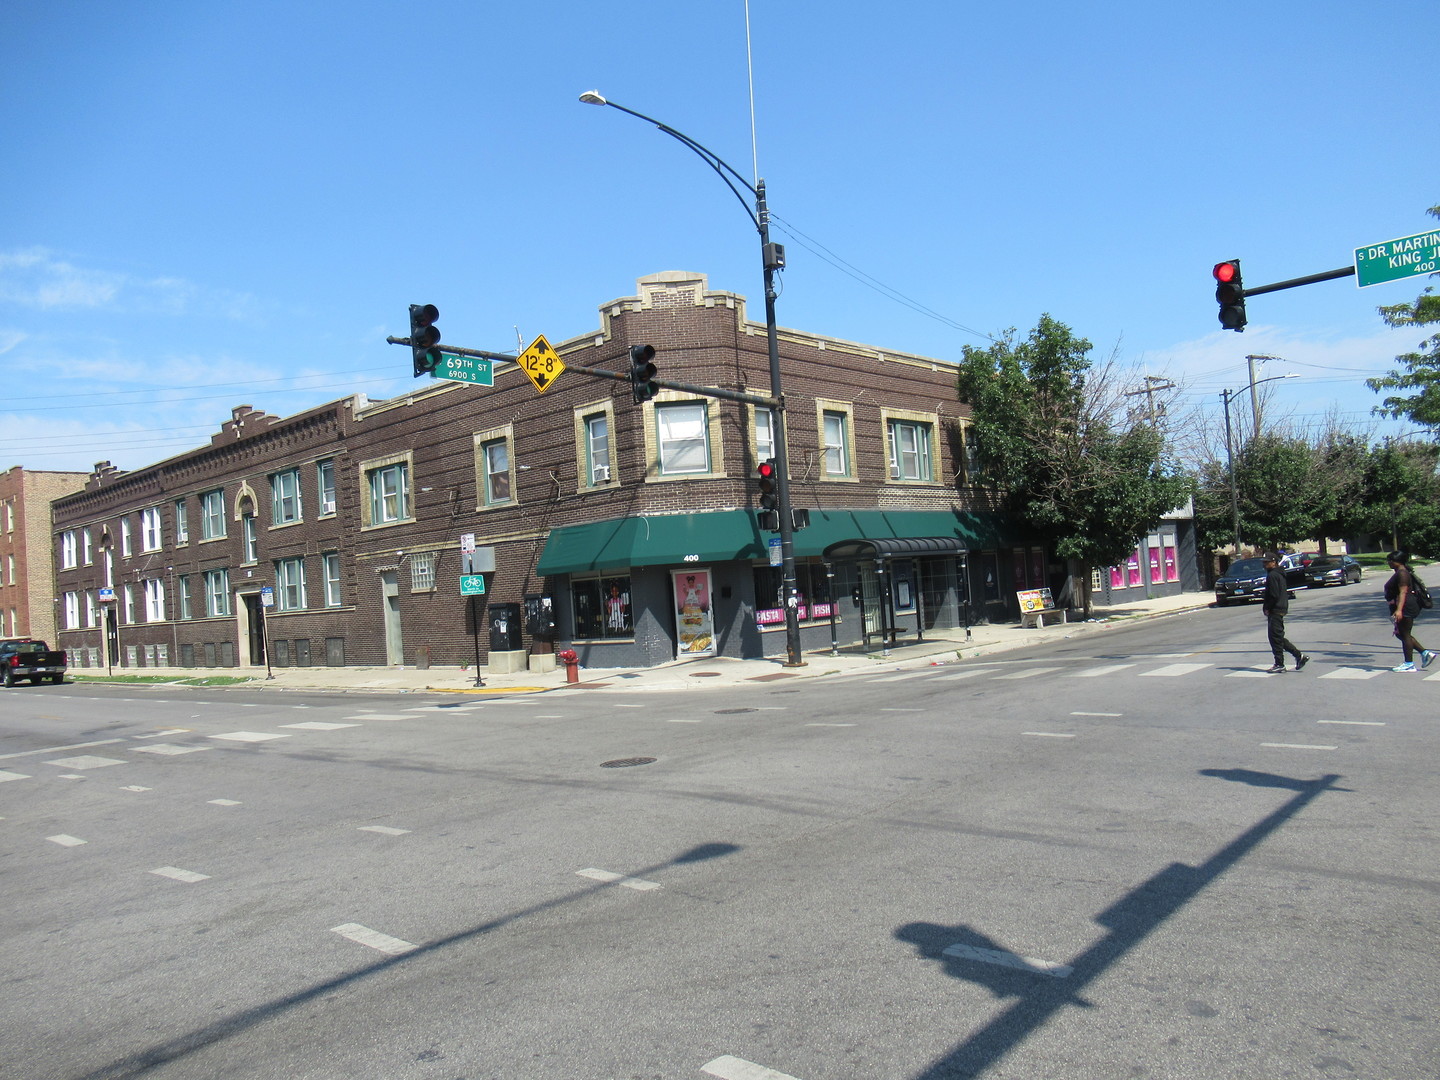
36 278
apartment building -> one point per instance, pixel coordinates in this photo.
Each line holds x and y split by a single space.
27 580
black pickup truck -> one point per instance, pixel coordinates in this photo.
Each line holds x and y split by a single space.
27 658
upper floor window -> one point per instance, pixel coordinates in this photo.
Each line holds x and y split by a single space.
72 611
285 497
325 484
330 564
125 541
69 550
127 593
389 492
212 515
290 584
495 462
597 448
248 539
151 537
764 434
835 439
682 431
186 598
182 522
909 449
87 550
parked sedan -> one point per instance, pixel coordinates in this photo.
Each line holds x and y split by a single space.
1245 580
1332 570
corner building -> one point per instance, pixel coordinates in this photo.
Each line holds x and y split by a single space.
628 532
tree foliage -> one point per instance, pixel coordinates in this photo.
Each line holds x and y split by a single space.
1051 435
1421 373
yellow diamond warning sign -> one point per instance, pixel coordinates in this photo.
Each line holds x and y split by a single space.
541 363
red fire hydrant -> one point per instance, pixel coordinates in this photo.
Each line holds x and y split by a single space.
571 659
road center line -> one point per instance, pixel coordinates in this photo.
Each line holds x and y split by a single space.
57 749
363 935
1049 734
1357 723
733 1068
1097 714
1297 746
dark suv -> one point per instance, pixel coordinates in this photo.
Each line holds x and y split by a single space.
1244 581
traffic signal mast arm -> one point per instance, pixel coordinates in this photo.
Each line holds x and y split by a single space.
1328 275
599 373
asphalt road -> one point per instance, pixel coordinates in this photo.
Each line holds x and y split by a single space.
1127 855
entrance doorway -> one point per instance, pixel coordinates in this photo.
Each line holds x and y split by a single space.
390 601
253 632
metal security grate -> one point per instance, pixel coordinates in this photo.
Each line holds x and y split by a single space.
624 762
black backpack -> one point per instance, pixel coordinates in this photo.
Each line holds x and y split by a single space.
1422 594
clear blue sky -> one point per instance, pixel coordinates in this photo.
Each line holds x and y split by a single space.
205 204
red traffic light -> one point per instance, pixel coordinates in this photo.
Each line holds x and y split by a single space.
1227 272
767 470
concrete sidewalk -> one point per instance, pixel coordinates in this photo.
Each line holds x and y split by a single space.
949 646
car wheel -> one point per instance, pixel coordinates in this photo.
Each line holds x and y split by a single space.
1220 601
9 678
57 679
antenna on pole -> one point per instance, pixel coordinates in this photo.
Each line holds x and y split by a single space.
750 70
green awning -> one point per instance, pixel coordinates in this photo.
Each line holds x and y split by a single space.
728 535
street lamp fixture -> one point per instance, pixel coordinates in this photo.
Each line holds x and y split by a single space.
1226 396
772 258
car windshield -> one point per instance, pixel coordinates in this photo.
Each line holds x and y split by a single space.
1247 568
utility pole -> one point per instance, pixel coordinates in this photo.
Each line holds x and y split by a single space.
1153 383
1255 394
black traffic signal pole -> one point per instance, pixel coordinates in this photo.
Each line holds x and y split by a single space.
614 376
1328 275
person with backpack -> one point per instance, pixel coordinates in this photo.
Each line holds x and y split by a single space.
1407 596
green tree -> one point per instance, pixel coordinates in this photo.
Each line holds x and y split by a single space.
1084 478
1421 373
1402 496
1282 491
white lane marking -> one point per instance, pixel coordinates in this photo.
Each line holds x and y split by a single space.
549 716
85 761
383 830
135 787
363 935
771 708
1095 673
902 710
380 716
639 884
176 874
66 840
965 674
57 749
1170 671
1259 671
1048 734
166 749
734 1068
248 736
1030 674
1357 723
891 678
162 734
1010 960
1353 673
71 776
677 720
821 723
1097 714
4 776
625 705
223 802
1297 746
318 725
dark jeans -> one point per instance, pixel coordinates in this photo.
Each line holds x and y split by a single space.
1279 643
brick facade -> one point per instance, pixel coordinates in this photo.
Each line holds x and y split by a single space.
27 577
414 473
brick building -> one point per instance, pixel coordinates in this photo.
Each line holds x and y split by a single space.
27 578
334 536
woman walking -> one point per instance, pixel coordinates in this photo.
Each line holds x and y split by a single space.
1404 606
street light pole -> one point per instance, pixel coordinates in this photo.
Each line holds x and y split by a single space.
1225 397
772 259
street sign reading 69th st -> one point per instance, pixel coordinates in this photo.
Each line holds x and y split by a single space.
1392 260
471 369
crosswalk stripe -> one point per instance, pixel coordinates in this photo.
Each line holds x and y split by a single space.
1028 673
1351 673
1171 670
967 674
1095 673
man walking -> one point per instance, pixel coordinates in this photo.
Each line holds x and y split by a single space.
1275 606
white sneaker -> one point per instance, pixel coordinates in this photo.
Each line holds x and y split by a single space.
1426 658
1409 665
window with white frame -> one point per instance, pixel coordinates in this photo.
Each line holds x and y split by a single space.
182 522
72 611
330 564
87 547
125 549
212 515
127 593
974 472
187 603
325 484
764 434
388 485
422 572
597 448
835 442
682 432
69 550
92 609
151 534
495 468
249 540
154 600
285 497
910 449
217 592
290 584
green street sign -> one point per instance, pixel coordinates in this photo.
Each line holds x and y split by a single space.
1392 260
472 584
471 369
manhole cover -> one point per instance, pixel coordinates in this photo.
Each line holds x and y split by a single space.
731 712
620 763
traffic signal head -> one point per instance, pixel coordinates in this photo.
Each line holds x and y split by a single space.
1230 295
765 471
424 336
642 373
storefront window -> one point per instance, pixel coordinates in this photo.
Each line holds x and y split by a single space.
1172 571
602 608
810 582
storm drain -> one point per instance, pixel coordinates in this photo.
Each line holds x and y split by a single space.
732 712
625 762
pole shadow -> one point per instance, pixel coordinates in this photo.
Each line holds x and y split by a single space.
1040 991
